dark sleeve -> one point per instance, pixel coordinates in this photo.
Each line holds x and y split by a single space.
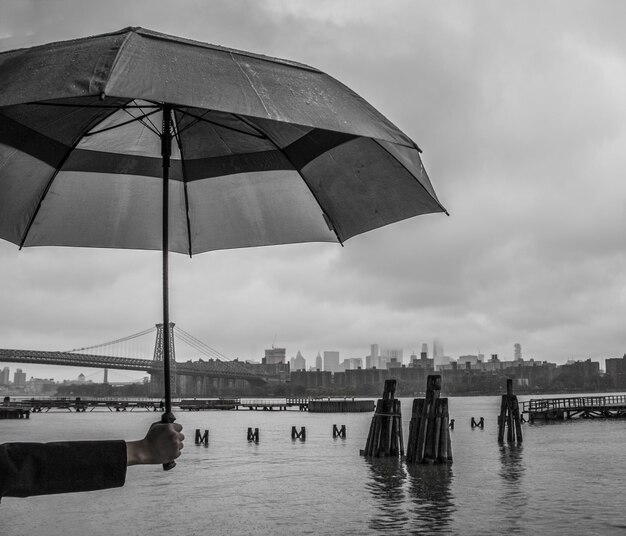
44 468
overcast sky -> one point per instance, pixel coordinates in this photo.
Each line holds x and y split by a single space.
519 109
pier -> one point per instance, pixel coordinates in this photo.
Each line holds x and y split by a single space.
78 404
585 407
312 405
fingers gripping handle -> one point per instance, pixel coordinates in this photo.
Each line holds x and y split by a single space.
168 418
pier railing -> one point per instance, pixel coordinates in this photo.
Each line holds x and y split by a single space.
574 403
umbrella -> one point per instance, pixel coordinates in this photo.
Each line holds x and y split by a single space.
141 140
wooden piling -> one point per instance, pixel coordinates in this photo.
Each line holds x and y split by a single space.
298 435
253 435
509 419
339 432
385 434
202 438
429 427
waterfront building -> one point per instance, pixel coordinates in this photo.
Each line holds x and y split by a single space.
616 371
311 379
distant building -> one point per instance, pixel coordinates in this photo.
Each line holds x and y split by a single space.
298 362
424 349
473 361
493 364
389 355
19 379
352 363
422 362
331 361
318 362
437 349
274 356
311 379
517 351
374 357
5 376
616 371
41 386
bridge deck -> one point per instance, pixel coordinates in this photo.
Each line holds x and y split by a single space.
578 406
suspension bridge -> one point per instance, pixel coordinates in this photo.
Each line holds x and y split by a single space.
210 374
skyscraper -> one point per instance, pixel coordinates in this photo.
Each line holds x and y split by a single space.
437 348
374 356
19 378
331 361
517 351
298 362
318 362
5 376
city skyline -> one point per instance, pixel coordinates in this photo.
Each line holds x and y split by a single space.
385 355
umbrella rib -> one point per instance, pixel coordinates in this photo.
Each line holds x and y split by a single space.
133 120
327 218
45 193
214 123
57 168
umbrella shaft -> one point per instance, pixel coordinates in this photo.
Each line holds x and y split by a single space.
166 151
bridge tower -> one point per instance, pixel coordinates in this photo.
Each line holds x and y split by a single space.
156 379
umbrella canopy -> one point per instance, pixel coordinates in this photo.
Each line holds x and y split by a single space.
140 140
264 151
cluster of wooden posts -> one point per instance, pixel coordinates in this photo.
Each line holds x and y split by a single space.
202 437
429 428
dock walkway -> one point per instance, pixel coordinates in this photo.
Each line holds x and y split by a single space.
586 407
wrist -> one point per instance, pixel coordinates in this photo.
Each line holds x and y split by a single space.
135 452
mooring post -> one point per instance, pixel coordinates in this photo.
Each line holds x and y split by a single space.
298 435
253 435
339 432
509 418
202 438
385 434
429 428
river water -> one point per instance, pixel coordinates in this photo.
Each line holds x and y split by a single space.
567 478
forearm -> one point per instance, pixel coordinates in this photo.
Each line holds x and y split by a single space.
44 468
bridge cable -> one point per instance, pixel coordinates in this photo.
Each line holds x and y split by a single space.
111 343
